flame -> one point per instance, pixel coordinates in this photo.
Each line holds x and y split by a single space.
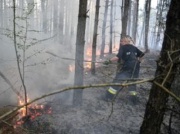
33 110
71 68
22 111
88 56
115 48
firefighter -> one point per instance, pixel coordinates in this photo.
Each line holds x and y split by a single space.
130 57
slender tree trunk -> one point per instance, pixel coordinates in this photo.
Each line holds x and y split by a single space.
125 18
94 45
44 15
30 7
88 26
122 9
167 68
79 56
1 16
61 22
92 16
50 15
114 23
111 28
155 28
67 25
160 20
129 19
55 18
147 14
73 22
142 33
135 19
17 56
104 30
5 14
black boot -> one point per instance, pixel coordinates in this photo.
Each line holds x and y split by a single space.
133 100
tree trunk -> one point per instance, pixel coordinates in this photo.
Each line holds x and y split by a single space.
141 33
73 22
160 18
104 30
135 19
89 21
147 14
67 25
30 9
55 18
79 56
61 23
95 37
167 68
1 16
44 15
129 19
125 18
111 28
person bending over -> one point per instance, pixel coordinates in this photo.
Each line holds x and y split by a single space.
130 57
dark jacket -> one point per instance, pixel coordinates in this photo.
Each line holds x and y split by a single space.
129 55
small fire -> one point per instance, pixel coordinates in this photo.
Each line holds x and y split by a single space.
22 111
88 56
33 110
71 68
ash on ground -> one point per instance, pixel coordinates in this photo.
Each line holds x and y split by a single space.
96 116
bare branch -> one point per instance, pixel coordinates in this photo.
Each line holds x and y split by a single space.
166 90
70 88
170 69
90 86
9 83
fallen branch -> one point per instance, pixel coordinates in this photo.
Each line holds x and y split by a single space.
70 88
167 91
9 83
86 87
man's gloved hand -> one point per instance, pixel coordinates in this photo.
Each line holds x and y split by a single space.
107 62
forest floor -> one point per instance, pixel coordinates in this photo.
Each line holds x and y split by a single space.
96 116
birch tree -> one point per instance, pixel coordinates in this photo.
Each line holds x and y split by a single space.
104 29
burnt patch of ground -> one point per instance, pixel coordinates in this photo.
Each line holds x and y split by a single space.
97 116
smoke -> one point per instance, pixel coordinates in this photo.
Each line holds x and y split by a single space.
43 73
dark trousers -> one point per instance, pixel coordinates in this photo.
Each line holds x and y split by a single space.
128 71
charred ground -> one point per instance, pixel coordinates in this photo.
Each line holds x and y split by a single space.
97 116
